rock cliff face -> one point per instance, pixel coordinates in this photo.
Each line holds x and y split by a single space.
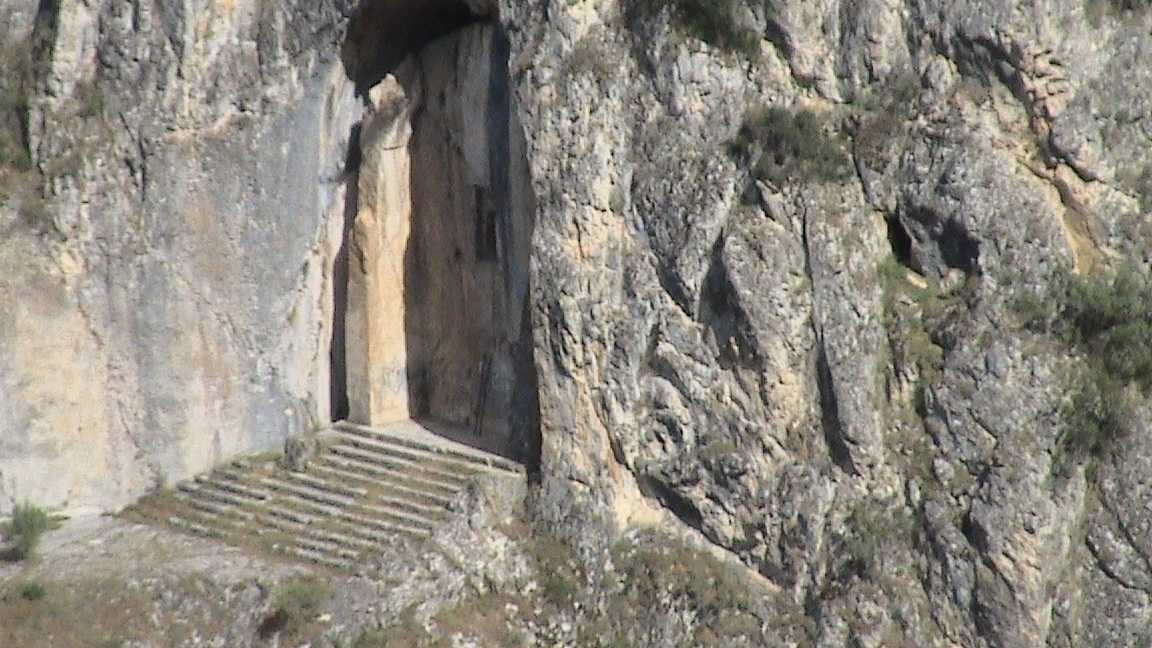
775 274
168 305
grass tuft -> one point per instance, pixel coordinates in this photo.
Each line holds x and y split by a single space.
298 602
31 591
29 522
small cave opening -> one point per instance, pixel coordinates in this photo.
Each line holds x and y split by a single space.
945 243
959 249
436 272
383 33
899 240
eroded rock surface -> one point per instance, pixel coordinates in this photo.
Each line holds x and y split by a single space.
821 371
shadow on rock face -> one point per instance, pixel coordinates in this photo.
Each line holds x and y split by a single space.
383 32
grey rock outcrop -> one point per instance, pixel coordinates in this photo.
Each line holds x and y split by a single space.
729 351
821 373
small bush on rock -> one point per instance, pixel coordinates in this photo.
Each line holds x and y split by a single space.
31 591
1108 316
713 21
725 608
296 605
790 145
29 522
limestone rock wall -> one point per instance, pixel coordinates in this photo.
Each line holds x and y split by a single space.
730 348
167 306
731 352
379 264
475 215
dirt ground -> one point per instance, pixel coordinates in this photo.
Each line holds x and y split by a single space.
104 581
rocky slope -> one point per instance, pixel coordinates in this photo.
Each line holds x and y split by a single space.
778 258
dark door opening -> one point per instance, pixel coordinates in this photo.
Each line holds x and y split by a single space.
437 265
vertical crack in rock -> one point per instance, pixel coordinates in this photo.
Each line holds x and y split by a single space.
338 387
830 420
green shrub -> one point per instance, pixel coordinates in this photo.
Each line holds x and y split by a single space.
15 85
1131 5
404 635
711 21
883 116
298 600
1097 10
1108 317
911 330
1143 184
29 522
1095 417
561 574
791 145
723 603
31 591
874 528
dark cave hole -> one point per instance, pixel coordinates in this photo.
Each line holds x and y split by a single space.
680 506
719 310
900 241
959 249
382 33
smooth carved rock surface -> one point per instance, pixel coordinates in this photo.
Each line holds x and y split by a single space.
377 306
709 350
170 304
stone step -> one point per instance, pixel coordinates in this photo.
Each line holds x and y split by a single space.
285 534
206 523
181 522
319 496
424 458
196 499
402 504
379 530
368 529
333 540
312 545
308 510
319 483
233 482
434 446
371 472
210 490
384 468
381 457
394 485
318 557
401 460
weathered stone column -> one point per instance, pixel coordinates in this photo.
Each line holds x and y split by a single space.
377 353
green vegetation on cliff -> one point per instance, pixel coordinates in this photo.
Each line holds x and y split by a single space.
791 144
713 21
1108 317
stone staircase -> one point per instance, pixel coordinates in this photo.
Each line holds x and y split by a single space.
364 489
